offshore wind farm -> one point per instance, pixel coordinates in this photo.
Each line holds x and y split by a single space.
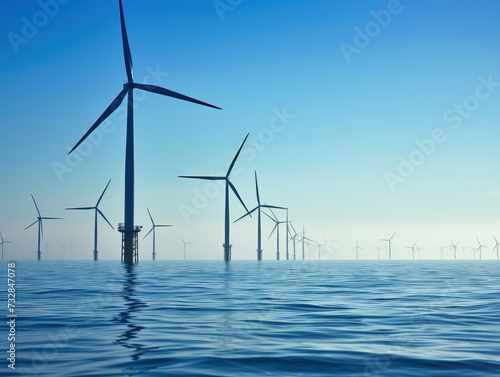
330 209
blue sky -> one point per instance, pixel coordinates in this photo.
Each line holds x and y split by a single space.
342 122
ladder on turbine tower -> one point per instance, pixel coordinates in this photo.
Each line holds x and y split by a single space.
135 242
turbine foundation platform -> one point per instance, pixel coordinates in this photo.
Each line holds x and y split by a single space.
227 252
259 254
130 243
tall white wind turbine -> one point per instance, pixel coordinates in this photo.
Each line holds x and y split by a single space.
389 241
185 244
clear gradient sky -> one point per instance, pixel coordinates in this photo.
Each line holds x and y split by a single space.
335 95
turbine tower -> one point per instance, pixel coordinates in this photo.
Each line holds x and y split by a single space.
226 245
258 209
357 248
389 241
2 241
40 226
96 211
129 231
153 229
185 243
480 247
496 246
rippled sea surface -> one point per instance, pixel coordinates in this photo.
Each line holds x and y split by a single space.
245 318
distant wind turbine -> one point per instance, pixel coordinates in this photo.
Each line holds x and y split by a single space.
454 246
153 229
413 249
277 228
480 247
46 249
319 250
357 248
129 247
293 238
40 226
258 209
303 239
2 241
96 211
378 251
496 246
226 245
389 241
185 243
64 250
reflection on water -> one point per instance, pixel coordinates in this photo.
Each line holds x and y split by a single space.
133 304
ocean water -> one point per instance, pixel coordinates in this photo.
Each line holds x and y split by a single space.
245 318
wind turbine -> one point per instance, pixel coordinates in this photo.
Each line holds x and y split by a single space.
46 249
496 246
441 253
64 249
303 240
293 239
480 247
389 241
185 243
454 246
2 241
40 226
319 250
357 248
129 231
277 227
258 209
378 251
96 211
413 249
153 229
226 245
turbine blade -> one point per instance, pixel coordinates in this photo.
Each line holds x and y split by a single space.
163 226
31 225
183 240
238 195
272 231
275 207
104 217
41 227
126 48
148 233
269 217
257 188
52 218
235 157
105 188
170 93
202 177
151 217
112 107
79 208
392 235
35 205
273 214
246 214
